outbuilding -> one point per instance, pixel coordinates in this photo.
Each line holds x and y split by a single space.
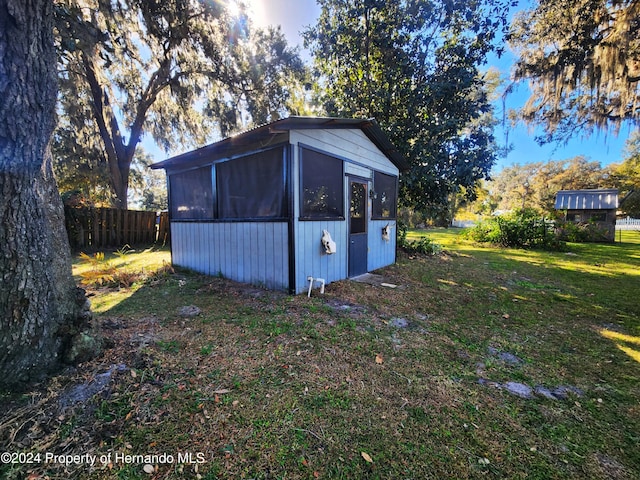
592 206
297 199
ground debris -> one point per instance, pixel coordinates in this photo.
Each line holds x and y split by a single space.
189 311
523 390
506 357
84 391
399 322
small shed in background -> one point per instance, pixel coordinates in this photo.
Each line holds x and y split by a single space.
297 198
596 206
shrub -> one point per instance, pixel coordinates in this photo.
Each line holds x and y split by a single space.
425 245
102 271
581 232
519 229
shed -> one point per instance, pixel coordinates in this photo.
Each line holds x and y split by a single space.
297 198
595 206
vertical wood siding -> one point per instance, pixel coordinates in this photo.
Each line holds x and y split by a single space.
362 156
310 257
381 253
250 252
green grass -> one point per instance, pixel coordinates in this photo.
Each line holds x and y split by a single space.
266 385
142 263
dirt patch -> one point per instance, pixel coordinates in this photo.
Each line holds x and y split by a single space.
376 280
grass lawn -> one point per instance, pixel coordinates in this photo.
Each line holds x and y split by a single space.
482 363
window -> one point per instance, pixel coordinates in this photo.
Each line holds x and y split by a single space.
598 217
253 186
385 197
192 195
358 208
322 186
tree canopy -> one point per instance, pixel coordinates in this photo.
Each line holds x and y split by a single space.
626 177
178 70
534 185
582 58
415 67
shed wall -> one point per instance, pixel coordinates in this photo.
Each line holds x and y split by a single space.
381 252
348 144
361 157
248 252
608 225
258 252
310 257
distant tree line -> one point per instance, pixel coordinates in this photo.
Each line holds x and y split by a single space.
534 185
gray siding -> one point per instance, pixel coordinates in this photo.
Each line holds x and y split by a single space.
311 261
250 252
310 257
361 157
352 144
381 253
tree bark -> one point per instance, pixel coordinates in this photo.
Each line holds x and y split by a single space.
40 307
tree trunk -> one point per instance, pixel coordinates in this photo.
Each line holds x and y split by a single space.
40 308
121 183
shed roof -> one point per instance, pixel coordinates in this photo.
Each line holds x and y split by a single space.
602 199
267 133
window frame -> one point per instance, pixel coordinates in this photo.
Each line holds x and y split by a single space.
171 194
284 188
305 216
394 214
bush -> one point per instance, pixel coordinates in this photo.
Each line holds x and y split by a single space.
581 232
519 229
425 245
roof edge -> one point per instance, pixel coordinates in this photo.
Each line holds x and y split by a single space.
369 126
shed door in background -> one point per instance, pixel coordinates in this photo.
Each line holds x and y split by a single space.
357 227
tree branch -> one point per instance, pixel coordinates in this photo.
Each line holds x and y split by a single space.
104 115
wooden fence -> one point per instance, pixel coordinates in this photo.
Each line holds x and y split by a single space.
628 223
95 228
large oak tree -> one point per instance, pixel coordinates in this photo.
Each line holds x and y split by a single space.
39 308
535 184
626 177
177 70
582 59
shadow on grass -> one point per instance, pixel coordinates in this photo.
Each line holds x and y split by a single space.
621 340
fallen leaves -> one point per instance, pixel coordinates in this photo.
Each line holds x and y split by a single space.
367 457
222 391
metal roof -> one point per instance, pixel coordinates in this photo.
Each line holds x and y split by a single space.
602 199
268 133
